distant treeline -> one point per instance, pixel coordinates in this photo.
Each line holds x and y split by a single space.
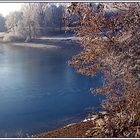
33 20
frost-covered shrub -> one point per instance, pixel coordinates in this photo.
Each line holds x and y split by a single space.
12 37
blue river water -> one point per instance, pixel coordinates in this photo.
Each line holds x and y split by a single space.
39 91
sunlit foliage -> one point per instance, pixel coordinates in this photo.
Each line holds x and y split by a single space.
110 37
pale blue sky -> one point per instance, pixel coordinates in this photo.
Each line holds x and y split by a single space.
6 8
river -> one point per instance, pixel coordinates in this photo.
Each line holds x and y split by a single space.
40 92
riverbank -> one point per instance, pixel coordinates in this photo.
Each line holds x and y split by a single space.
76 130
80 129
48 42
55 41
91 128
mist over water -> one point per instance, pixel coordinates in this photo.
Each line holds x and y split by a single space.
40 92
